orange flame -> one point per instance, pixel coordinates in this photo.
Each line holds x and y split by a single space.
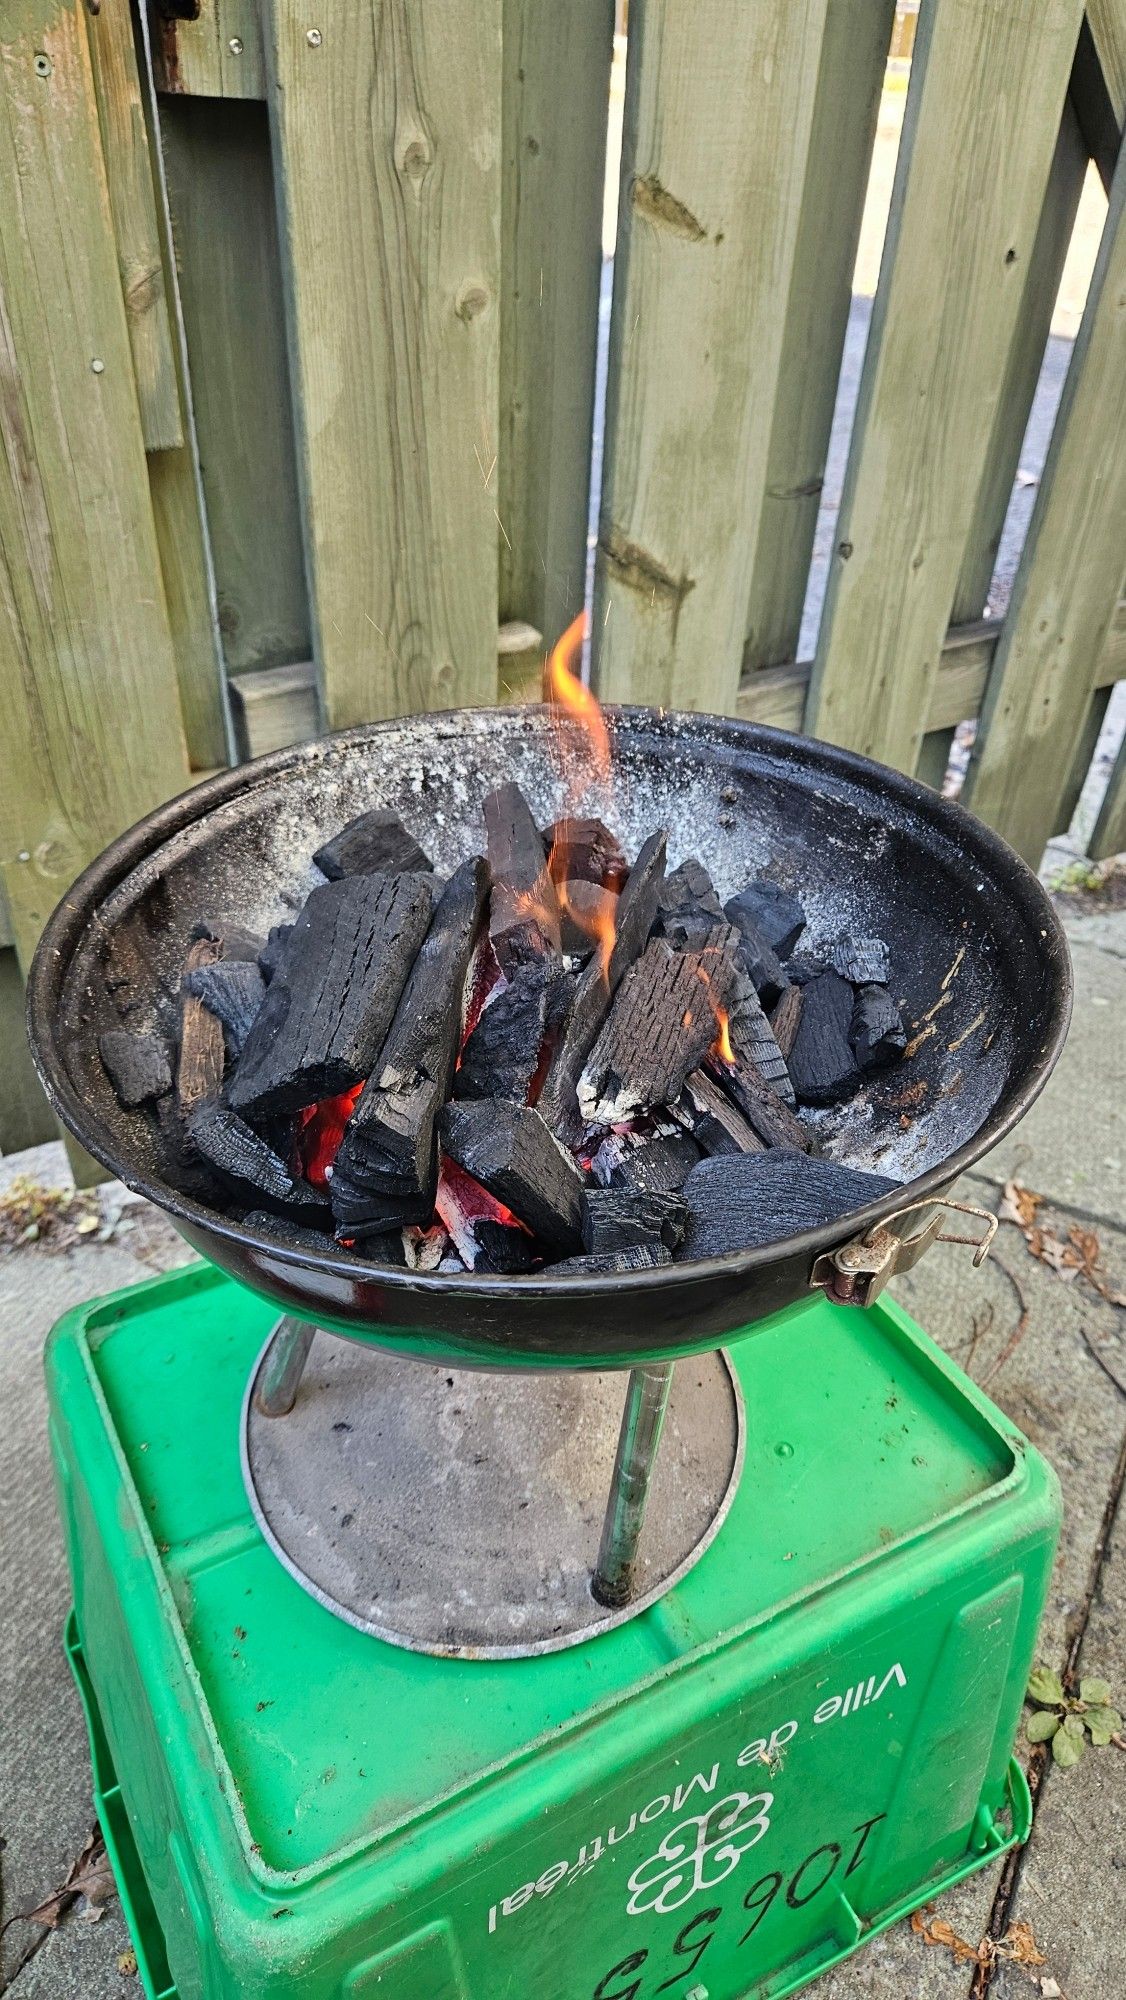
568 694
721 1047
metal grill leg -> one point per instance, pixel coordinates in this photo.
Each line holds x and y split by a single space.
283 1367
647 1395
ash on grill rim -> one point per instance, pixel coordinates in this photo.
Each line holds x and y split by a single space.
80 911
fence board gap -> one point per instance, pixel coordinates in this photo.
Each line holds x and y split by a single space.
1109 835
556 101
128 166
387 157
1067 584
26 1118
84 638
845 113
1085 746
984 106
230 288
718 115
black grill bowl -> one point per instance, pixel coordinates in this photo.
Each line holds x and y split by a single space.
977 953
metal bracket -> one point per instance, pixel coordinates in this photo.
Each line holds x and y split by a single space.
856 1274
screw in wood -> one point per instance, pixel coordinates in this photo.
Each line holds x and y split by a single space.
97 367
43 65
314 38
235 45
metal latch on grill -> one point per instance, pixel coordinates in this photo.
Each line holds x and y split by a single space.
856 1273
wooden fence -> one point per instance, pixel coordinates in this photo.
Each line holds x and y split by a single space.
299 312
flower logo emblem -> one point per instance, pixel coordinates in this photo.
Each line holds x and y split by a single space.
699 1853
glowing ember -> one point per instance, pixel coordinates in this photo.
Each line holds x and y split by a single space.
721 1048
320 1129
461 1201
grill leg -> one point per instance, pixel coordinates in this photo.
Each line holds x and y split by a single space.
283 1367
647 1395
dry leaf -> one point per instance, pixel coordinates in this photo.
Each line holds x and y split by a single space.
936 1930
1079 1257
90 1876
1019 1945
1019 1204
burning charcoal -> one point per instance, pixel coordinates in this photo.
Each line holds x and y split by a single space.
233 991
763 1197
462 1204
273 951
659 1028
425 1248
585 850
511 1152
199 1072
377 843
587 913
243 1158
502 1055
661 1165
639 1257
137 1066
863 961
768 1116
784 1020
750 1035
704 1110
876 1031
774 915
822 1066
329 1005
388 1155
502 1250
524 912
375 1245
689 907
557 1102
621 1218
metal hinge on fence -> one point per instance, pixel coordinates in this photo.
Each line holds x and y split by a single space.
857 1272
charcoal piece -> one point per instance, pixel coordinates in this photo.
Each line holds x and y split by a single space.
863 961
661 1165
502 1055
784 1020
389 1149
660 1027
762 965
822 1066
713 1120
377 843
273 951
511 1152
751 1036
557 1102
330 1003
375 1243
524 910
763 1197
876 1030
236 940
137 1066
180 1165
425 1248
585 850
233 990
502 1250
802 966
775 915
640 1257
586 912
769 1117
243 1157
298 1235
688 889
199 1070
620 1218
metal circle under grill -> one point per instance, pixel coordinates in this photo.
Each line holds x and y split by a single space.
459 1513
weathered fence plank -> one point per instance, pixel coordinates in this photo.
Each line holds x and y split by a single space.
984 106
777 695
230 288
217 54
87 679
125 145
1018 388
1107 22
387 121
853 60
1067 584
26 1118
718 115
556 91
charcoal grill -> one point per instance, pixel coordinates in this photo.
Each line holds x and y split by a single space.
588 1714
